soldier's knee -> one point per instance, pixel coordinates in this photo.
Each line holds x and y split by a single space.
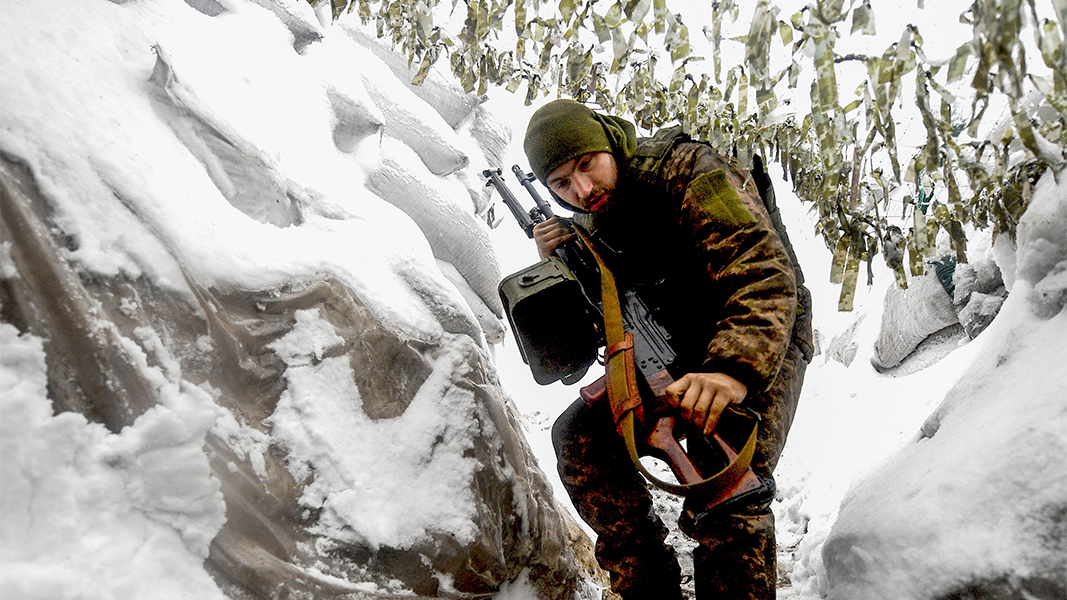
561 428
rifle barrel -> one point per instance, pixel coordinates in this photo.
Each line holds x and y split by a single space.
526 180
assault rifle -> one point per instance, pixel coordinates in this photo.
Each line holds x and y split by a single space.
557 313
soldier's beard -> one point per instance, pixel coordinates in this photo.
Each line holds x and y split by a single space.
600 201
616 203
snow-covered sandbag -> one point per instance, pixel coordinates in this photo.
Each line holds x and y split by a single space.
472 176
455 234
980 311
980 275
486 149
448 99
298 17
909 317
1041 239
491 133
487 138
978 292
247 182
473 181
845 345
211 8
356 115
355 120
409 118
1050 294
492 326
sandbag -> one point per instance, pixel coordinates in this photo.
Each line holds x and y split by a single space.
454 233
411 120
449 100
910 316
492 326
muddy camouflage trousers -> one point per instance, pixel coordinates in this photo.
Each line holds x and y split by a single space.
735 561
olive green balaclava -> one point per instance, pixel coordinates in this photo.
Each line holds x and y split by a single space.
564 129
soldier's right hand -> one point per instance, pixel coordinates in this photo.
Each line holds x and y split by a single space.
548 235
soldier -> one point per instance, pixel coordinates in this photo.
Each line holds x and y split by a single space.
708 252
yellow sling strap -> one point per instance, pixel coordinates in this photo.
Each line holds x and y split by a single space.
625 399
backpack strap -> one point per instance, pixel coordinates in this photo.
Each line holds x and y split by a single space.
766 194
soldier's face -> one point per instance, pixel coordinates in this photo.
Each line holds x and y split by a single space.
586 182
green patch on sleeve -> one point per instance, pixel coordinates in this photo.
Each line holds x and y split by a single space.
718 200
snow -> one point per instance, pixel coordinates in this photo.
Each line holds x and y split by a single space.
90 94
86 513
947 519
142 159
974 495
332 441
90 514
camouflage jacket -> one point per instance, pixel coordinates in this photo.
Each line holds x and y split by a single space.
689 230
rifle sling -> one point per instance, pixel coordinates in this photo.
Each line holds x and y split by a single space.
625 399
713 486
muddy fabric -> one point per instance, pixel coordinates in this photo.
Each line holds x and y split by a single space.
736 557
610 495
739 563
690 232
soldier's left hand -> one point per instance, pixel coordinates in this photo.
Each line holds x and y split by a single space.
548 235
702 397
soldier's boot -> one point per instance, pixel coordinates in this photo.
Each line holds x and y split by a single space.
738 559
642 566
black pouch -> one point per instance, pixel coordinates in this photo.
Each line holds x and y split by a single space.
554 324
697 520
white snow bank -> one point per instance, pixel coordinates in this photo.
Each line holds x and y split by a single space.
137 173
1041 259
87 514
126 187
975 500
980 495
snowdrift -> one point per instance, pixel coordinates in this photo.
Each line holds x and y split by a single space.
976 505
